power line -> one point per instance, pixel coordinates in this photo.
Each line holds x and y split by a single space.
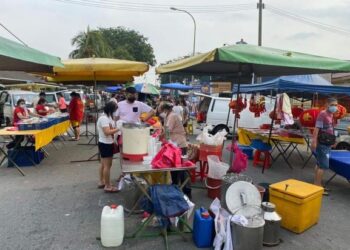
127 6
9 31
308 21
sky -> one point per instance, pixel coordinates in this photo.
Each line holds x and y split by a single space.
49 25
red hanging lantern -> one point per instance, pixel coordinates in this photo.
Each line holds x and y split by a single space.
257 106
238 105
296 112
308 117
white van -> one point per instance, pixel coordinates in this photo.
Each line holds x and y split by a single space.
8 101
218 115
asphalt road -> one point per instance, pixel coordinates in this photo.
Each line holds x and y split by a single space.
57 206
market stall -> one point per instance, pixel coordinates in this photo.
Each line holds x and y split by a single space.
42 137
242 61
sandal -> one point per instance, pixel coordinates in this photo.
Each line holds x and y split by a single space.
100 186
111 189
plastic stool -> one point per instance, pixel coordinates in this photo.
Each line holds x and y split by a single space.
266 162
204 151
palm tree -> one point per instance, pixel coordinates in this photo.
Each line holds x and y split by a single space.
90 44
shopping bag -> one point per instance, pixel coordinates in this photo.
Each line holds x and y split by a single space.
240 162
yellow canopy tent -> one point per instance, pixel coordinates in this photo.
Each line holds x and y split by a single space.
36 87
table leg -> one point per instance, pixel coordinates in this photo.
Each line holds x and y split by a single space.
281 153
329 180
14 164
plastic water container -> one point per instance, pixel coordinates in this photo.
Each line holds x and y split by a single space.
112 226
203 228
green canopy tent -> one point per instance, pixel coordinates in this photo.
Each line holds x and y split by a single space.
242 60
18 57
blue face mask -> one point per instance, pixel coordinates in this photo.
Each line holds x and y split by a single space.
332 109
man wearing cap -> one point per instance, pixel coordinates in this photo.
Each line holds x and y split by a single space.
130 109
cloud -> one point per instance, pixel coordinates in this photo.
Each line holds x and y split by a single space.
303 36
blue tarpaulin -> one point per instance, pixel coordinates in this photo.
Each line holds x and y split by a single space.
298 84
176 86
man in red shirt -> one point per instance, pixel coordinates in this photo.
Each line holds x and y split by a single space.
76 113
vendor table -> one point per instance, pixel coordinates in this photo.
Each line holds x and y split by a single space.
284 141
42 137
141 169
339 163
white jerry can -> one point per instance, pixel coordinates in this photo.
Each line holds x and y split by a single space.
112 226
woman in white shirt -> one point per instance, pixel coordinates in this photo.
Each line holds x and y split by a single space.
106 127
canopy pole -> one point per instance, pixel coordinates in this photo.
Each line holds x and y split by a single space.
229 110
271 126
236 113
96 108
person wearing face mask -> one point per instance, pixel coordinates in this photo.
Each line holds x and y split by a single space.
174 128
130 109
19 114
324 125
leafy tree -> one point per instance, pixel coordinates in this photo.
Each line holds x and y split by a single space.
90 43
120 43
129 44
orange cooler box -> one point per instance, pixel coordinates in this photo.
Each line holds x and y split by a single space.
298 203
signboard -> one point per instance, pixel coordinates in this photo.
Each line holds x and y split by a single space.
219 87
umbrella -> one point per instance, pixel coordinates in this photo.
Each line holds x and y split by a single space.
243 60
98 69
113 89
146 88
18 57
175 86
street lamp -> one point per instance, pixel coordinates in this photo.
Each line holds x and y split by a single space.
194 23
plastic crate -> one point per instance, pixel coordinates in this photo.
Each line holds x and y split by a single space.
24 126
21 156
298 203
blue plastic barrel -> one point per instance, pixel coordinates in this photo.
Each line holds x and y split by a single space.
203 228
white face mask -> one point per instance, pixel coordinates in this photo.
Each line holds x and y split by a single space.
163 115
22 105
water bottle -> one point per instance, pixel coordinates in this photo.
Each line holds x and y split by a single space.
203 228
112 226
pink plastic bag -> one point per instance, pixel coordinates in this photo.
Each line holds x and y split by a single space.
240 162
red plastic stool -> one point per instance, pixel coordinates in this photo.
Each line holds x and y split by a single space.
266 162
204 151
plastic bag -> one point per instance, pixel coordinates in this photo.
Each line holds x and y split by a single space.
240 162
168 157
210 139
217 169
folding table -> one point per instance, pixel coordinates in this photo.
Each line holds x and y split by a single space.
141 169
339 163
42 137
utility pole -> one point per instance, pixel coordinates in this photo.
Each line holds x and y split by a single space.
260 6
